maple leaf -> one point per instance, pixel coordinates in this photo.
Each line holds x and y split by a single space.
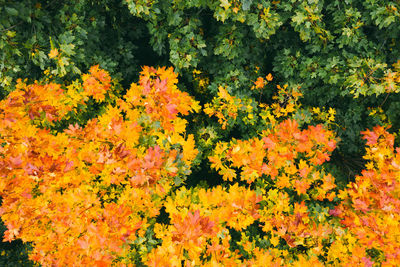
269 77
15 161
68 166
361 205
274 240
283 181
84 244
259 83
11 233
370 136
171 108
301 186
225 4
53 53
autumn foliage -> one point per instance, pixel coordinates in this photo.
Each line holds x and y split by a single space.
81 195
111 190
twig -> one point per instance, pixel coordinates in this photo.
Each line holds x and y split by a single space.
387 95
9 28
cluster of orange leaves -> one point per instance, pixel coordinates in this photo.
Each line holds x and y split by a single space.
284 158
261 82
371 207
84 195
97 83
81 195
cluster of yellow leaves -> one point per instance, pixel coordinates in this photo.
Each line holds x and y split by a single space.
224 107
184 240
323 115
285 100
380 115
48 102
292 224
247 155
53 102
198 233
235 206
284 105
276 258
84 194
201 80
227 109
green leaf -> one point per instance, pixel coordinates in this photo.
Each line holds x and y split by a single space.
246 4
11 11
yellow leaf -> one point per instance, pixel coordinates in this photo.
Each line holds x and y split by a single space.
53 53
225 4
274 240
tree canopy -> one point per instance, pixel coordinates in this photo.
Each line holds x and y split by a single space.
200 132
